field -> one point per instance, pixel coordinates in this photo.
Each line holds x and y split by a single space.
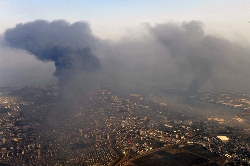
188 156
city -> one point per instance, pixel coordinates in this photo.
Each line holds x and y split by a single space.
102 128
125 83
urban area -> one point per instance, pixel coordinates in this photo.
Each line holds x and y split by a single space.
100 127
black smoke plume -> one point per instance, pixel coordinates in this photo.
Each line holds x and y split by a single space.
173 55
197 54
67 45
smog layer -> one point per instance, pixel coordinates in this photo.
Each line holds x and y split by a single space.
151 95
171 54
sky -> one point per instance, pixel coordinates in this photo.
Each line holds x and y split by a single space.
131 39
111 19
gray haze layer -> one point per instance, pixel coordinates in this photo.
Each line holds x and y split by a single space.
201 56
176 55
173 55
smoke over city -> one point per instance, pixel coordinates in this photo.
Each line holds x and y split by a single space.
199 55
68 46
135 82
174 55
194 52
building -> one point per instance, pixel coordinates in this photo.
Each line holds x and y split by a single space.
223 138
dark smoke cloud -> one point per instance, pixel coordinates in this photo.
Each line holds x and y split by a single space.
175 55
196 54
67 45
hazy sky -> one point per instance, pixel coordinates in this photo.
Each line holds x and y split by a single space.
113 18
139 33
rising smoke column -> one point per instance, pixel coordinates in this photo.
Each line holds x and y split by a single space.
67 45
178 55
193 52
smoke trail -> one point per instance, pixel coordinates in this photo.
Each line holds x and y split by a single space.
67 45
176 55
193 51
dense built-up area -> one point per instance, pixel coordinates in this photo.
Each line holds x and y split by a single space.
103 128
